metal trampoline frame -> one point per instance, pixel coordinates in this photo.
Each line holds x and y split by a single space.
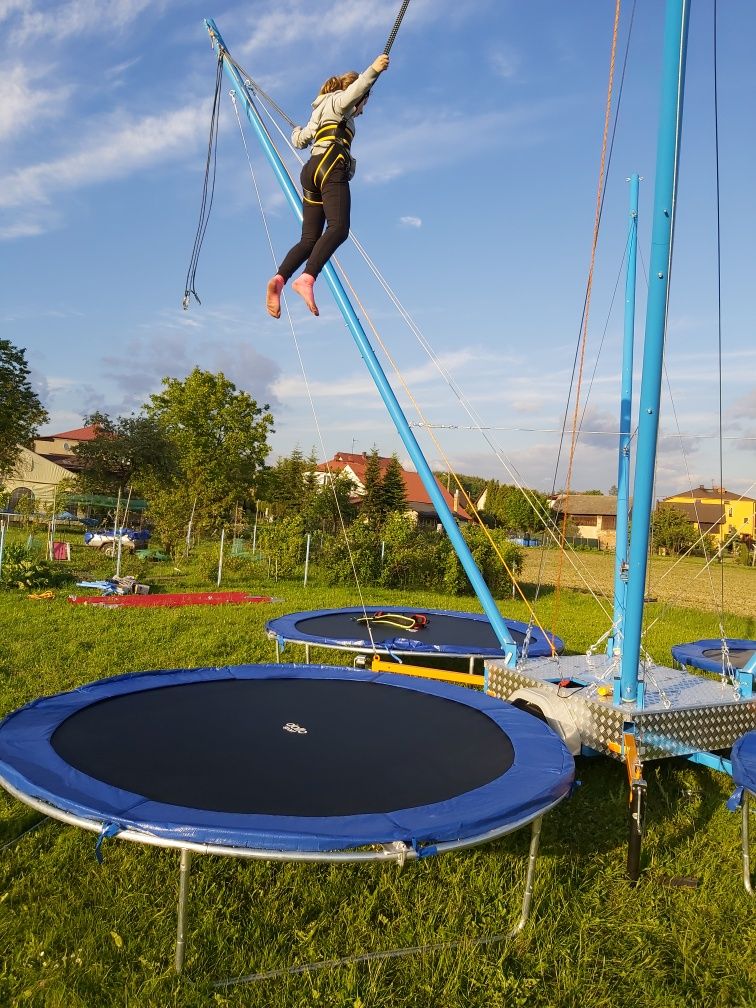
397 853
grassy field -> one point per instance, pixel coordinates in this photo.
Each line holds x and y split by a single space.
76 934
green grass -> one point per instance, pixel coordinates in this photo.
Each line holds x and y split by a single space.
75 934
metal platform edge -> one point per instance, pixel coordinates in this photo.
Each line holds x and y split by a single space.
683 713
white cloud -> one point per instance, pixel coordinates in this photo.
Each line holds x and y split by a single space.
22 229
74 18
504 63
21 102
283 24
106 156
414 222
114 72
423 144
8 7
744 407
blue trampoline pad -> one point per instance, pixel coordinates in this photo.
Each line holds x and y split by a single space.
443 632
744 762
285 757
707 654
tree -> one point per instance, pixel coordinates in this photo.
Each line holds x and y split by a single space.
520 512
393 489
473 486
372 501
21 412
220 436
332 507
125 452
671 530
284 484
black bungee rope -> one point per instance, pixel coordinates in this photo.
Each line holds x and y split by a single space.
208 189
394 31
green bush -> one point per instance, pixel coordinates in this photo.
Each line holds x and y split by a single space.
743 554
284 540
413 557
24 569
488 560
362 550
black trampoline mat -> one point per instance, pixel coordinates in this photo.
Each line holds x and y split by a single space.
451 631
738 656
222 746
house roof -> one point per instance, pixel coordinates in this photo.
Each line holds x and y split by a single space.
69 462
713 494
418 498
79 434
704 515
585 504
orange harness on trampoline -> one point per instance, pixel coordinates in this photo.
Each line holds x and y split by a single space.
339 138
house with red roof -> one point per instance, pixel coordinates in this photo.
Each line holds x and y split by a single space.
419 503
39 471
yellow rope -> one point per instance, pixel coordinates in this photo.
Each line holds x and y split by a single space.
586 314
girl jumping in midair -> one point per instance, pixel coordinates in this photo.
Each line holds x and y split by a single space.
326 199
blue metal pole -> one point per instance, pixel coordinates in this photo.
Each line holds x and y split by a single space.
626 401
670 128
368 355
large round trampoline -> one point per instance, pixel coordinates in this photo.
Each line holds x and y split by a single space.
437 632
285 762
708 655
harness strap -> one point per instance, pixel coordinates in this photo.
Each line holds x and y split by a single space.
338 138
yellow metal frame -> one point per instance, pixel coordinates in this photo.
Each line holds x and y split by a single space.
463 678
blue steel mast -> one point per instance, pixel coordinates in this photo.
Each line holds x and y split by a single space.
667 159
368 355
626 402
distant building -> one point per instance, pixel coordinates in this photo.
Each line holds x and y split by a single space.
717 512
40 471
59 448
593 515
418 500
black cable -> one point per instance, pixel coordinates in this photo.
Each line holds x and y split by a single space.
208 188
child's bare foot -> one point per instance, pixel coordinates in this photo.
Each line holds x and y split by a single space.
303 286
273 295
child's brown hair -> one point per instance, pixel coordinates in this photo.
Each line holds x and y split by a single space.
339 83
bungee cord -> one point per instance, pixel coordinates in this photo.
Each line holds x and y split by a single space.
208 190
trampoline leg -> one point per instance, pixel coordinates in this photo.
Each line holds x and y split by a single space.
186 863
527 896
307 654
635 836
747 847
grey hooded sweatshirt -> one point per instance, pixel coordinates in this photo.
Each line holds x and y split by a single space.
337 106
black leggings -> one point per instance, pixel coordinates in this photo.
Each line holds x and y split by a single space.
317 246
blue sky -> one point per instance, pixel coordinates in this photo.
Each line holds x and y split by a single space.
478 163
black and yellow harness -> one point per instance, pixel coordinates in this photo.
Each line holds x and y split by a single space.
338 137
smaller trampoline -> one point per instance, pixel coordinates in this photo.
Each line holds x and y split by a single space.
406 631
744 775
286 762
708 655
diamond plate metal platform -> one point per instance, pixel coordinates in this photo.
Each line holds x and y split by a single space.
683 713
